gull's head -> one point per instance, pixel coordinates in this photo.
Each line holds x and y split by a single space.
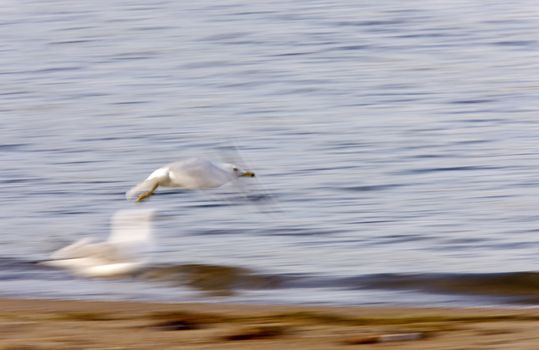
236 171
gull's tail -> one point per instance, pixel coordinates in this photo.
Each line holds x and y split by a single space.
144 186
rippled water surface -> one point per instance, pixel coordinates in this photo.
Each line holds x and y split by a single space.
399 140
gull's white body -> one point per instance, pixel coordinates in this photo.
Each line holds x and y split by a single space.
122 253
191 173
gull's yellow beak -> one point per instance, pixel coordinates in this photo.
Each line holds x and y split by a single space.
247 174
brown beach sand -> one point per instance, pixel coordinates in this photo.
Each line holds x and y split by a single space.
54 324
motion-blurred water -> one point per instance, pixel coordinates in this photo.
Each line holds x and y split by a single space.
396 137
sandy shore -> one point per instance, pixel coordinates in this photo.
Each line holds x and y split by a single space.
52 324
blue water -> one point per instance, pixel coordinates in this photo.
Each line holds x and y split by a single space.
396 137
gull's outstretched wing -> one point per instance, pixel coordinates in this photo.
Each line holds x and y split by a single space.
252 190
132 229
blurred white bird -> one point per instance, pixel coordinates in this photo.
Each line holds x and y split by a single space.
123 252
191 173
